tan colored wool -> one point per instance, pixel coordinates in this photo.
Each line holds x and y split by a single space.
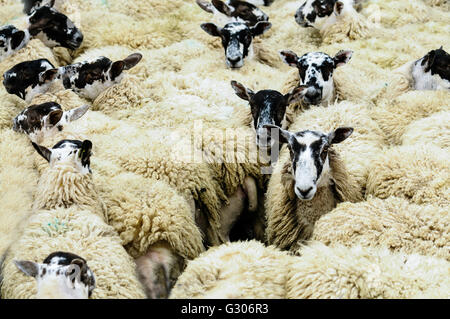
79 232
393 223
350 25
251 270
235 270
362 272
148 212
64 186
394 116
429 130
418 173
18 180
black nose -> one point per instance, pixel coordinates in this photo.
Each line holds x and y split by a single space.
304 193
79 39
313 95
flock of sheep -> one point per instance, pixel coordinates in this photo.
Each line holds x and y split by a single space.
224 149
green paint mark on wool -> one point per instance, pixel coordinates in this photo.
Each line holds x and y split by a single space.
55 228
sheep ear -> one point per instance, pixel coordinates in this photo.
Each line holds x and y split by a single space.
48 76
132 60
43 151
289 57
222 7
117 69
17 39
85 152
338 7
77 113
342 57
340 135
29 268
53 118
260 28
211 29
428 60
80 263
205 5
242 91
296 94
283 134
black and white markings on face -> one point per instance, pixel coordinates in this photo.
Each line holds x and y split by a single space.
30 5
90 78
36 117
54 28
61 275
261 2
432 72
268 107
314 13
26 79
316 73
237 39
11 40
43 120
309 156
68 153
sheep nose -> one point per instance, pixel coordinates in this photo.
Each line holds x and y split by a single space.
234 60
312 94
79 38
304 193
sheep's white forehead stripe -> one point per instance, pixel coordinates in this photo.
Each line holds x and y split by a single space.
235 27
307 138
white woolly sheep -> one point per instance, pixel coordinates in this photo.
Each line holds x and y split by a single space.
336 20
418 173
429 130
251 270
72 218
392 223
342 170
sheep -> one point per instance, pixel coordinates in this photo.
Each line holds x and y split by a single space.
336 20
233 11
395 116
316 73
340 171
41 120
62 275
418 173
235 270
267 107
74 218
392 223
362 272
251 270
432 72
12 40
429 130
236 39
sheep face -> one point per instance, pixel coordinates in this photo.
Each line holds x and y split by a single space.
29 78
235 10
54 29
316 73
90 78
432 72
44 120
267 107
309 155
61 276
237 39
318 13
71 153
11 40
